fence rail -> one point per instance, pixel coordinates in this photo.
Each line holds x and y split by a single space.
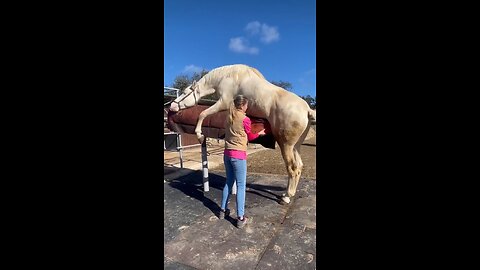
172 141
170 93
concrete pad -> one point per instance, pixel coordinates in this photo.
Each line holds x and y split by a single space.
280 237
176 266
294 246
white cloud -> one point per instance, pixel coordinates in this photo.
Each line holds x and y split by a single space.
192 69
268 34
240 45
253 27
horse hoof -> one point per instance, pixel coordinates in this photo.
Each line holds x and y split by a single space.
284 200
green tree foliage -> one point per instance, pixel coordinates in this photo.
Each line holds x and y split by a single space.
282 84
312 102
183 81
198 76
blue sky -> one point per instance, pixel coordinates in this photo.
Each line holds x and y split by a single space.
276 37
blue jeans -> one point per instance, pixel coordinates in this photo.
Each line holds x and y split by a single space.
236 169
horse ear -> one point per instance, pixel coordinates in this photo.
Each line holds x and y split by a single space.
194 84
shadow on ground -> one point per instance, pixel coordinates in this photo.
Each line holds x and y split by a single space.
217 182
195 237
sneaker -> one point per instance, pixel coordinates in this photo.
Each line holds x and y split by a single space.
223 213
246 220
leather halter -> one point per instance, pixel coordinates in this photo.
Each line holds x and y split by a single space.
193 91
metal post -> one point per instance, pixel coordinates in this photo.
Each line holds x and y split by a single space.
205 165
180 149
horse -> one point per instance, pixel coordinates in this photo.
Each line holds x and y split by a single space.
289 115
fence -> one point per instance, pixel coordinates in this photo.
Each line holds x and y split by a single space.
172 141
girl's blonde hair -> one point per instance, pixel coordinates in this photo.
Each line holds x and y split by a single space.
237 103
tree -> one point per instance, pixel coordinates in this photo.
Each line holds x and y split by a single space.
282 84
198 76
183 81
312 102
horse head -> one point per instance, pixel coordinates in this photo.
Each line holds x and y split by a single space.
187 99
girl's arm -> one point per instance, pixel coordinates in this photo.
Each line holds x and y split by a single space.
247 124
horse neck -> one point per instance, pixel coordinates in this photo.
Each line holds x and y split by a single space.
205 86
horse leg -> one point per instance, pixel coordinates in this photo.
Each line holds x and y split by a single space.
298 172
294 164
218 106
298 158
302 138
294 167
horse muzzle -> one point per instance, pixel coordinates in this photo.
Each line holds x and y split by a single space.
174 107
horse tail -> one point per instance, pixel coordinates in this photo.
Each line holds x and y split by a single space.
312 116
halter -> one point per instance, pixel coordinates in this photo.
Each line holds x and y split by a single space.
193 91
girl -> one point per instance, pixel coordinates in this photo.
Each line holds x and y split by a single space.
237 135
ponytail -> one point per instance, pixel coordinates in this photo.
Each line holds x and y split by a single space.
237 103
231 113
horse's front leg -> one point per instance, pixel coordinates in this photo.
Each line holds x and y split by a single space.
219 106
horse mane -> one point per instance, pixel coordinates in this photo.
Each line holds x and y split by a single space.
238 72
258 73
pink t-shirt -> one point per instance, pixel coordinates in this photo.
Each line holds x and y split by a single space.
239 154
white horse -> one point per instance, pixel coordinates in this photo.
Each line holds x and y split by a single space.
288 114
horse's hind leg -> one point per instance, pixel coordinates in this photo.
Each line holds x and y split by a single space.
294 166
291 155
298 160
298 171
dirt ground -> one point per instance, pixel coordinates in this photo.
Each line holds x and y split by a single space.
271 162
